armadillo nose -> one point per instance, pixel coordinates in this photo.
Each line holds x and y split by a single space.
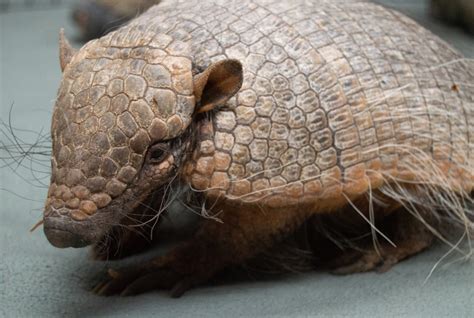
60 233
64 238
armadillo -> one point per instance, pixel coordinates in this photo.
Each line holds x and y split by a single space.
269 113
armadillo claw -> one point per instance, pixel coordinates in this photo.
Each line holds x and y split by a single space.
98 287
368 261
116 281
134 281
159 279
363 264
113 273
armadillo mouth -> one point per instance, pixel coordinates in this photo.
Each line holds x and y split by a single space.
64 238
62 232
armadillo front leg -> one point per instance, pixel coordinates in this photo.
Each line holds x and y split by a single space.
133 235
121 242
244 232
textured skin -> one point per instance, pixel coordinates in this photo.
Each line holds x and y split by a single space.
321 94
337 96
105 123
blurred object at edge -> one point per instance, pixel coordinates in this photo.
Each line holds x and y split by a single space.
457 12
98 17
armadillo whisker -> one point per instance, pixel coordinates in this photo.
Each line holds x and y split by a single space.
37 225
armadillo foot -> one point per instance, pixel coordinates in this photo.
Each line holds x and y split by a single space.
158 274
368 261
134 280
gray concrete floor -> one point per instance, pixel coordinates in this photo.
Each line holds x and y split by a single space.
37 280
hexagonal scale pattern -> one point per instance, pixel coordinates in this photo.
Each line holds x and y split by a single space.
329 88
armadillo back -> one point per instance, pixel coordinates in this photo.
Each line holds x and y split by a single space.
338 96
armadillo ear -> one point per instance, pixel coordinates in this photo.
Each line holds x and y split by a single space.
217 84
66 52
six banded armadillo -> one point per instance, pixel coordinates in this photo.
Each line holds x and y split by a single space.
270 113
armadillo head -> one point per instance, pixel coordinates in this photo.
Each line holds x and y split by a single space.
120 127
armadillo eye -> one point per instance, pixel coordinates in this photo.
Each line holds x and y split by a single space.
158 153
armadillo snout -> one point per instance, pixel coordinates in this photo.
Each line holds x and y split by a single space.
61 231
69 216
77 201
64 238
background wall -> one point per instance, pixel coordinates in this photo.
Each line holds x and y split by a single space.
8 5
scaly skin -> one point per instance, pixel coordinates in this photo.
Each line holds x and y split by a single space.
338 99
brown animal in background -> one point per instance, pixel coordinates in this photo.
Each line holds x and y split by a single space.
271 114
457 12
96 18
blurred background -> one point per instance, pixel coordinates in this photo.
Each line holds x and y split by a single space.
96 17
41 281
